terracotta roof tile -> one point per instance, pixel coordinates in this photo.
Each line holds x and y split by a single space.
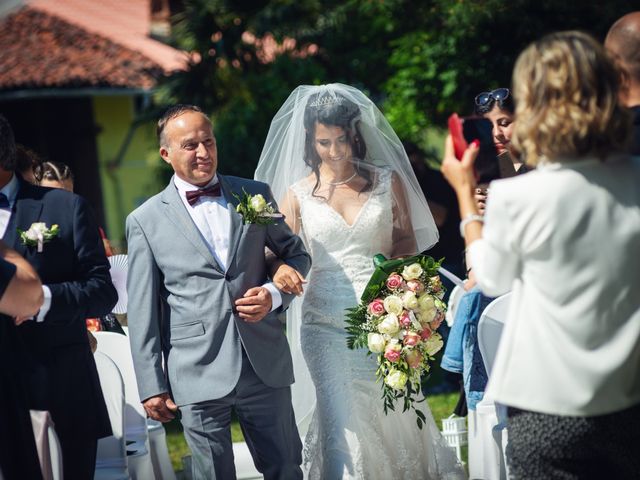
126 22
40 50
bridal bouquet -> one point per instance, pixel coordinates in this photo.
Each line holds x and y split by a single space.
396 320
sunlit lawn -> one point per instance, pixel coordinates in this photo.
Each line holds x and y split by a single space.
441 407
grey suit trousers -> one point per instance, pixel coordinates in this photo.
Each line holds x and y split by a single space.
268 424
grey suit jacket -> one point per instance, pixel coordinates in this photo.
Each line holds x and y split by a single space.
181 302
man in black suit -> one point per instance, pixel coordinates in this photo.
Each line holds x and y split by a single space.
71 262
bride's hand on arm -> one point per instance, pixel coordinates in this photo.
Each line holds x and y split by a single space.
286 278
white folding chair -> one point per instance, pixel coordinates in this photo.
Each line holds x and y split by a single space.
162 466
111 458
487 425
490 327
454 298
116 346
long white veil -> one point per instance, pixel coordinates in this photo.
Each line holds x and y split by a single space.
282 164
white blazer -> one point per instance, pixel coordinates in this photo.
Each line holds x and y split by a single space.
565 239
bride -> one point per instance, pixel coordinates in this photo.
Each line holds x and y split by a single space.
345 185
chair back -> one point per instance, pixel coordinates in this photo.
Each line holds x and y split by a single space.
116 347
490 328
111 453
454 298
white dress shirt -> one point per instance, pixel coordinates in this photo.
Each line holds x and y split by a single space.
565 239
10 190
212 217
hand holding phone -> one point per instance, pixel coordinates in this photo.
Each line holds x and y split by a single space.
465 130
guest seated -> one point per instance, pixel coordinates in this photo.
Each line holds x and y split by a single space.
462 354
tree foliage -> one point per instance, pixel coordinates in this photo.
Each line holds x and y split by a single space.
418 61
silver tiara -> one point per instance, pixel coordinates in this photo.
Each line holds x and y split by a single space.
326 100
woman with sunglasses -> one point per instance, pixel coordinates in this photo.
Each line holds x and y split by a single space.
497 107
565 239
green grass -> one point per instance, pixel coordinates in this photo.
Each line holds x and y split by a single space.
441 406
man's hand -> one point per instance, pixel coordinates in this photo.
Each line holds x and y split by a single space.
160 408
254 305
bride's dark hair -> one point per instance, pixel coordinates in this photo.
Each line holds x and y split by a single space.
334 110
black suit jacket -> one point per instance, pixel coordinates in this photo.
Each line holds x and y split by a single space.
62 376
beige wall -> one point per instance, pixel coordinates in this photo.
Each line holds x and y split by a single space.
129 184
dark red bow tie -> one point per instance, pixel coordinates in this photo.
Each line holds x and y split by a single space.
211 191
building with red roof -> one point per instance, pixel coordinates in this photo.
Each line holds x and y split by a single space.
73 76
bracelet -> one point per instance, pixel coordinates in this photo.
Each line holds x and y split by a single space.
468 219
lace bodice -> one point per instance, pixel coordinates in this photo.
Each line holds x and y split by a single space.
342 254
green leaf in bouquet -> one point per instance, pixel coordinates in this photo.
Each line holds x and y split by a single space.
357 337
385 267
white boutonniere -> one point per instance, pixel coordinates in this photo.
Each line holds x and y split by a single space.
255 209
38 234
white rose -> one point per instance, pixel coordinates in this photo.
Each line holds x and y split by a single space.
410 301
376 342
426 302
396 379
426 316
36 230
433 344
393 304
389 324
258 203
412 272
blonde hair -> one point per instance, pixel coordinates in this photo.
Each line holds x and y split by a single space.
566 90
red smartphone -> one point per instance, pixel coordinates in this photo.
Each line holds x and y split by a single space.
465 130
460 144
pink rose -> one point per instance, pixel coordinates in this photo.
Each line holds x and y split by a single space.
376 307
436 322
411 339
392 353
415 286
426 332
413 358
405 319
394 281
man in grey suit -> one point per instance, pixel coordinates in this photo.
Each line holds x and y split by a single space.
200 301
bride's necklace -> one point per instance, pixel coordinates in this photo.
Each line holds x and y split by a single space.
342 182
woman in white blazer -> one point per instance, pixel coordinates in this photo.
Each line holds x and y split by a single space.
565 238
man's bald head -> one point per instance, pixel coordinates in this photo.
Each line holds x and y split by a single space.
623 42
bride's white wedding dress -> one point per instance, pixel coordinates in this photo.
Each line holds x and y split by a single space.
349 435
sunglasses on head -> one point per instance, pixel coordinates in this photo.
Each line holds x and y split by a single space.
499 95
